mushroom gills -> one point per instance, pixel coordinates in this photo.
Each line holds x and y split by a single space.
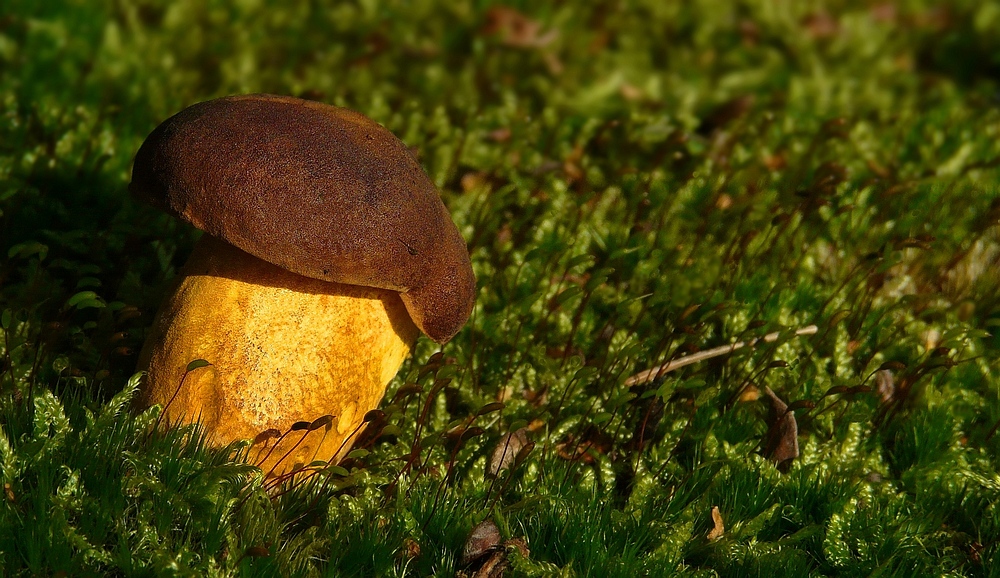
283 349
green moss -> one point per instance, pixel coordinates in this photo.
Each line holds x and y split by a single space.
636 182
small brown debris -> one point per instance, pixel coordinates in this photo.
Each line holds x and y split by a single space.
631 92
516 30
410 551
563 352
750 393
592 440
885 385
821 25
718 528
256 552
473 180
879 170
749 32
726 113
975 552
885 13
497 564
775 162
500 135
571 165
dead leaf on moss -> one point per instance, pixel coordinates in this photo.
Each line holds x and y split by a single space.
484 556
505 453
782 439
482 540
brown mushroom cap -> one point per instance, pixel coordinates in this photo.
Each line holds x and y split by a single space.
319 190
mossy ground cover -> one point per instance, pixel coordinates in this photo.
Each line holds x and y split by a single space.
637 181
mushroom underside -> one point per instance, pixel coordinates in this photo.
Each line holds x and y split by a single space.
283 349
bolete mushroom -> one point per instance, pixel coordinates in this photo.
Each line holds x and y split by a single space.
327 249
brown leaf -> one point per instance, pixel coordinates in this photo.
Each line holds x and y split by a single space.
483 540
506 451
782 439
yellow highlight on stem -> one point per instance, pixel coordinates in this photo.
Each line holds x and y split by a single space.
283 349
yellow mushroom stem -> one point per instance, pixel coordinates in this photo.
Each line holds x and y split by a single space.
283 349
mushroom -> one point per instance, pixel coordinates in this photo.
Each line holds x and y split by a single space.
327 250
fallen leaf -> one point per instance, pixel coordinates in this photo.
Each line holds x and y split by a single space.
506 451
495 562
782 439
484 539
